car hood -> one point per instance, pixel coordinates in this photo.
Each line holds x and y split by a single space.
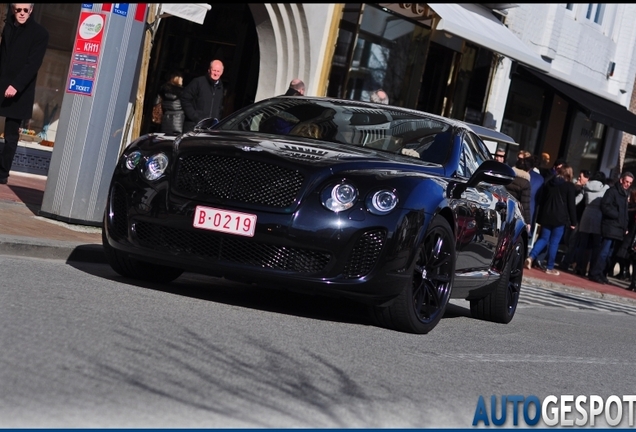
300 151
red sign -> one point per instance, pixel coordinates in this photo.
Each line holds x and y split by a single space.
88 46
90 33
140 13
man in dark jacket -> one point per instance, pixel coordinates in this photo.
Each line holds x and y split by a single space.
22 50
613 224
296 88
203 97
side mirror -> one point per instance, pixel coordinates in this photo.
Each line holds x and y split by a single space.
206 124
490 171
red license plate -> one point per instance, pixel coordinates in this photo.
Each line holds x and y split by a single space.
230 222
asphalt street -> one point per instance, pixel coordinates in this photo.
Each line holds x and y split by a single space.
24 232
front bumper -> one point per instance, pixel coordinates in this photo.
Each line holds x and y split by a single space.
351 253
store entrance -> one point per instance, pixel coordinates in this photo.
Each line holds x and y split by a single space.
228 33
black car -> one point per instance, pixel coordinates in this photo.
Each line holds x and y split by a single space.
396 208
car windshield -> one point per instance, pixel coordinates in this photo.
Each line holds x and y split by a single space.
387 129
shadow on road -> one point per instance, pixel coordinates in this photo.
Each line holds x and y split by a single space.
282 300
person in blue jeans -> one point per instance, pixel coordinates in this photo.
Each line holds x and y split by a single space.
614 224
556 210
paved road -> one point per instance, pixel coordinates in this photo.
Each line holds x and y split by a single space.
536 296
84 347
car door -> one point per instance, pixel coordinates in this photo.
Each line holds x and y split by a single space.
479 217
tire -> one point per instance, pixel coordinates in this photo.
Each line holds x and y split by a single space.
421 305
134 269
500 305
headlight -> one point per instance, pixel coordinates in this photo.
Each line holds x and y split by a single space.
132 160
339 197
382 202
156 166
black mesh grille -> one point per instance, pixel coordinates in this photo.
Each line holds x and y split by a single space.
119 221
238 179
365 254
236 250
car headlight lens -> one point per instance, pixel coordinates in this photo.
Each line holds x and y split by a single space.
339 197
382 202
156 166
132 160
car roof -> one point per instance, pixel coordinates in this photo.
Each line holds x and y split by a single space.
491 134
481 131
353 102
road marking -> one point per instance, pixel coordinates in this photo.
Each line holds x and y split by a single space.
533 296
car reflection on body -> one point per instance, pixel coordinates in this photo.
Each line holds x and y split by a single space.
375 203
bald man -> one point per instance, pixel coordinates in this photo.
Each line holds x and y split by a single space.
380 96
296 88
203 97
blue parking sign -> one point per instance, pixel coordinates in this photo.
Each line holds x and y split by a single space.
120 9
82 86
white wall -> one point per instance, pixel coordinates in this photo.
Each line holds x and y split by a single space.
293 40
580 52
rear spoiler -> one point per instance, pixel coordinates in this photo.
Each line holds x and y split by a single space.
491 134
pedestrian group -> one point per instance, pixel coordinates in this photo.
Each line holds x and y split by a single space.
591 218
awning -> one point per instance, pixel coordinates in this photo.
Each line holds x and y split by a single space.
476 24
194 12
595 107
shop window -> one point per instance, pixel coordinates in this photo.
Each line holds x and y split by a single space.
385 55
586 143
522 116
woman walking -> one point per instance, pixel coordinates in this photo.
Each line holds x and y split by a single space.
590 225
556 210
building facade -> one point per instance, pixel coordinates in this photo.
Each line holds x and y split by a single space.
556 77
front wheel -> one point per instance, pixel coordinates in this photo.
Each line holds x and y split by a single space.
421 305
500 305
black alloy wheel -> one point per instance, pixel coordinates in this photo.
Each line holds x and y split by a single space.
500 305
421 305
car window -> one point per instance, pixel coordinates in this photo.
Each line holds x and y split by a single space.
474 153
409 133
482 153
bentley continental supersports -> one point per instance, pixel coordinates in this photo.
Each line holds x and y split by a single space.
395 208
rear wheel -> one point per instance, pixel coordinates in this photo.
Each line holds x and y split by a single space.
421 305
135 269
500 305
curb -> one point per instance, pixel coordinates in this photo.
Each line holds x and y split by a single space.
60 250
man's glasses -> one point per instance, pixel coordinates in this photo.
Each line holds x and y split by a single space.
18 10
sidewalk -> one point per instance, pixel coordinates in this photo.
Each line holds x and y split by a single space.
24 233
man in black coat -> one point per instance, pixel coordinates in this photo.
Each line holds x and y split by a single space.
22 50
296 88
613 224
203 97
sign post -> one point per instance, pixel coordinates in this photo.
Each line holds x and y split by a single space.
99 94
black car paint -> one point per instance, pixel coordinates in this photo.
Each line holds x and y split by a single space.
298 224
